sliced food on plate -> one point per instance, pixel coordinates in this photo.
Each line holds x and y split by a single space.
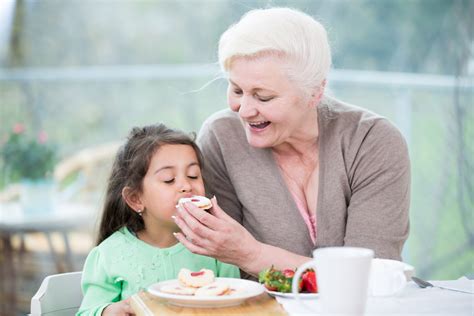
199 283
203 290
279 281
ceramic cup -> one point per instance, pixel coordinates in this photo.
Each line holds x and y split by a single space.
342 275
387 277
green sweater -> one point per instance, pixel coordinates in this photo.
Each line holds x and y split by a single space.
123 264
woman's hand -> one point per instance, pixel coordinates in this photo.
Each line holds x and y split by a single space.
216 234
121 308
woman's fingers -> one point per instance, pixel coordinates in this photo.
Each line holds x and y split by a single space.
213 234
199 221
218 212
198 217
188 232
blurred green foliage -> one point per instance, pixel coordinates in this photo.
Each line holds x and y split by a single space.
24 156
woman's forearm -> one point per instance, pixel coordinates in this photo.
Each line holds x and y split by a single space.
220 236
263 256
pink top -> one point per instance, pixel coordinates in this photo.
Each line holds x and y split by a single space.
301 202
310 220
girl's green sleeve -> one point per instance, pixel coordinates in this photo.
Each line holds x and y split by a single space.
225 270
98 288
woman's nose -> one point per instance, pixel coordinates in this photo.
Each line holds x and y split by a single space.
247 108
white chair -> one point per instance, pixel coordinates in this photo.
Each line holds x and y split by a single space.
58 295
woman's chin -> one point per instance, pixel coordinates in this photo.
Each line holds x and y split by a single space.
258 142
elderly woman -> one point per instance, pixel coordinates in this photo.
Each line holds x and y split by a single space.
291 168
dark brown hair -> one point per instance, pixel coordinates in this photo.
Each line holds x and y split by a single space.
130 167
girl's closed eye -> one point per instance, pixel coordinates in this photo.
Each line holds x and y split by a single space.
194 172
168 181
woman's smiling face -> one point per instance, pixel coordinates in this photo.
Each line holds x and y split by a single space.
273 110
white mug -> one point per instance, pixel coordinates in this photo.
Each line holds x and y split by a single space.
387 277
342 275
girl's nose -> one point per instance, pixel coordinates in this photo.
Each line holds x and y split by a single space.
185 186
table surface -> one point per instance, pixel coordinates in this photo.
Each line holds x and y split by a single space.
411 301
63 216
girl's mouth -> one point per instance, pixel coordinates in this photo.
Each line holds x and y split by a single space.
258 126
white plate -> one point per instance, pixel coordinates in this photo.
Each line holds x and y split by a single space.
245 289
291 295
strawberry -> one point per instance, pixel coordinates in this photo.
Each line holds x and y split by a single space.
309 281
288 273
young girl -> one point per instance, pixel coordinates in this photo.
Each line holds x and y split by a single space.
136 247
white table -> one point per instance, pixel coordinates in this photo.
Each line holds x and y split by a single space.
12 217
413 300
62 218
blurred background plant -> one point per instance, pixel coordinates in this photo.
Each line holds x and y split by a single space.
26 156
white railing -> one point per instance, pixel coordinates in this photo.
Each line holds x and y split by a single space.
176 71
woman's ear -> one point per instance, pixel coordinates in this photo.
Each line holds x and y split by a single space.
133 199
317 94
322 87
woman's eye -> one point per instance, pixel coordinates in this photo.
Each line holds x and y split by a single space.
237 91
169 181
264 99
193 177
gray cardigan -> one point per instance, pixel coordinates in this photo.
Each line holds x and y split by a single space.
364 182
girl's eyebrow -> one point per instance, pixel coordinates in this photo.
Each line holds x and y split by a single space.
194 163
163 168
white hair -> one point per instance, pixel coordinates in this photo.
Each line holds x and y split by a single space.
284 32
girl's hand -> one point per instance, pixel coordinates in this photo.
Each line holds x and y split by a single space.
217 235
121 308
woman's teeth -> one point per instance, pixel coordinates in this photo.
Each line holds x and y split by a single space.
259 125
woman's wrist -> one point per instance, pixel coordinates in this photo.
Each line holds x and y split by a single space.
264 256
250 261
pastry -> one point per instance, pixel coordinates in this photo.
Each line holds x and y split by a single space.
200 201
201 278
178 289
212 289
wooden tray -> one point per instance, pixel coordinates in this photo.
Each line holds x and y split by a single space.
145 304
